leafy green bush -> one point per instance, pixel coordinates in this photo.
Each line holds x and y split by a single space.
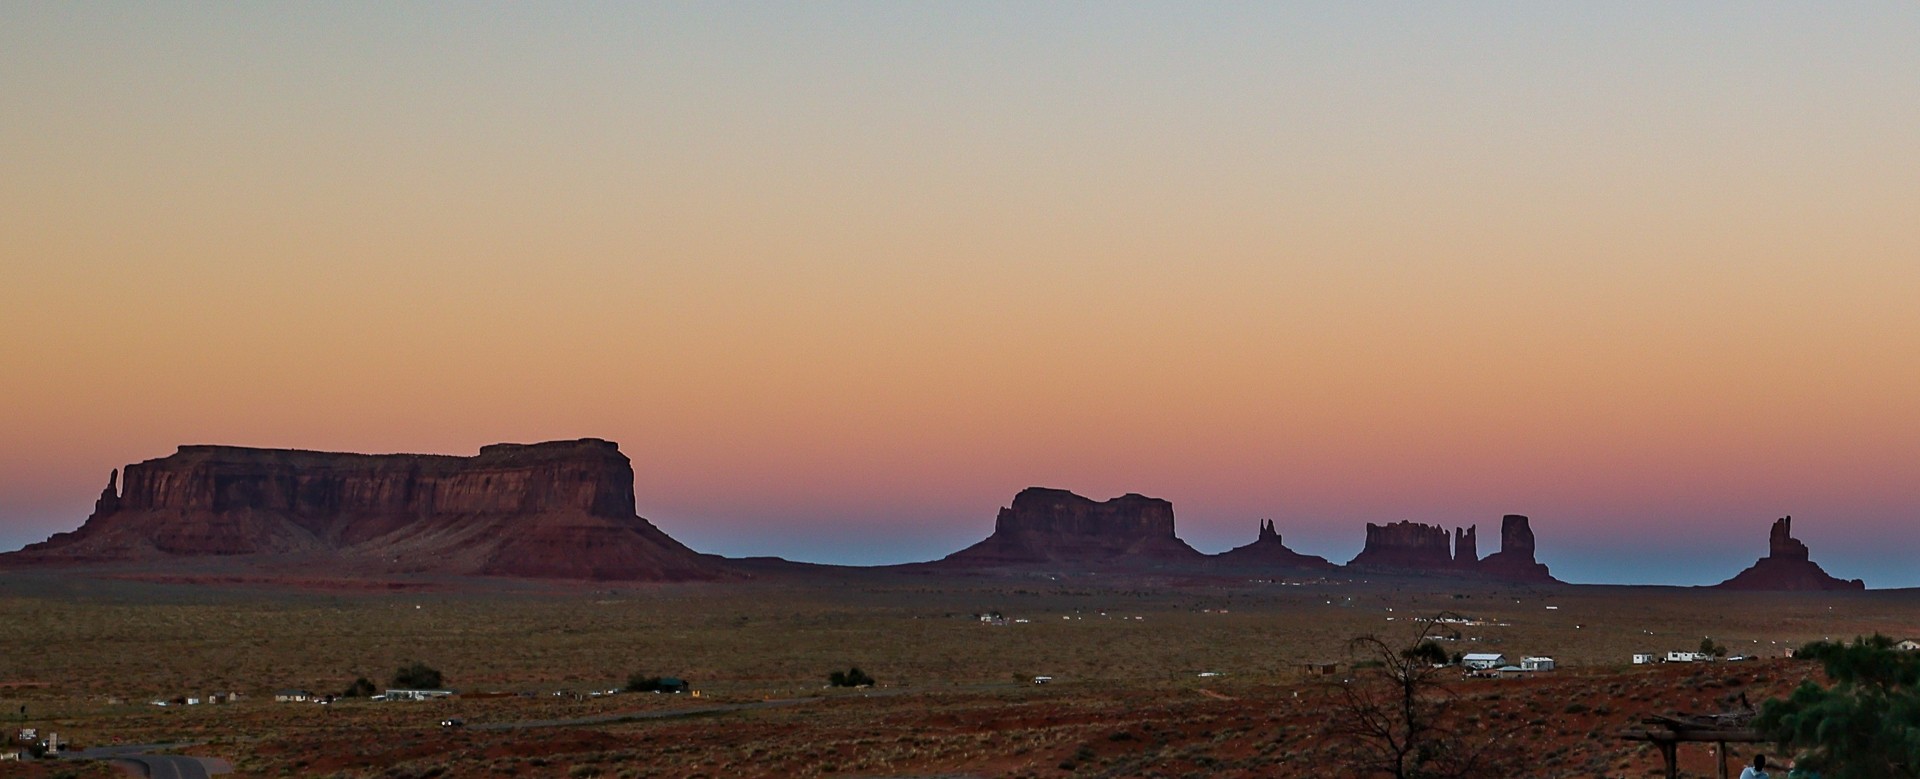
1866 726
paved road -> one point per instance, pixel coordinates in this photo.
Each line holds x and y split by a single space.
635 716
156 766
169 766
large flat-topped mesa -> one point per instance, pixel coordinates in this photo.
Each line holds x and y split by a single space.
561 509
1056 526
1787 566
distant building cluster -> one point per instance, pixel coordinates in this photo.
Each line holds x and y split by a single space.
1495 664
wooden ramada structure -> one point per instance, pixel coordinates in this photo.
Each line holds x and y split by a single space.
1668 733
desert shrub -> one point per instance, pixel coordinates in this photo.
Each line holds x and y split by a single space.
853 677
360 688
1867 725
1427 651
643 683
418 676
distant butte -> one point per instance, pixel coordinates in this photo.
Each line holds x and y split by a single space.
1787 566
561 509
1268 552
1056 526
1414 548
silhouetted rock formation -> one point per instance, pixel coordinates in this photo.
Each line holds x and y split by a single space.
1514 561
1411 547
1056 526
1787 566
563 509
1408 546
1268 552
1466 548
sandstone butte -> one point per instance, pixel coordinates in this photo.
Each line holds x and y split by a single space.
561 509
566 510
1050 527
1411 547
1056 526
1787 566
1268 551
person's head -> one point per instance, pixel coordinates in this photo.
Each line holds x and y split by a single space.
1760 762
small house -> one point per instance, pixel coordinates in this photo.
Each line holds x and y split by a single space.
1483 660
415 695
1536 663
1686 657
1642 658
292 696
1909 645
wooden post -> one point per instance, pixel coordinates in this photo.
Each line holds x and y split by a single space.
1667 750
1722 746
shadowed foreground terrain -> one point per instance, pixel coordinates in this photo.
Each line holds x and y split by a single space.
86 654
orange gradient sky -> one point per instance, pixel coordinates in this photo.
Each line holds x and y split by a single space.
841 278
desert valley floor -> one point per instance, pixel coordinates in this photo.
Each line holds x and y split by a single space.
1149 676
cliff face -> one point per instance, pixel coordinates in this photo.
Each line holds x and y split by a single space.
1056 526
1410 547
1514 561
1787 566
1466 547
563 509
1268 552
1407 546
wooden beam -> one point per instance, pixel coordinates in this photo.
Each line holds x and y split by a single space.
1694 736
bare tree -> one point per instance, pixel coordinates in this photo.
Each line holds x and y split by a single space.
1394 717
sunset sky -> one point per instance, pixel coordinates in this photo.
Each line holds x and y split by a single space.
841 278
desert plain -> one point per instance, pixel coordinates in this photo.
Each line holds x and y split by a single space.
1185 676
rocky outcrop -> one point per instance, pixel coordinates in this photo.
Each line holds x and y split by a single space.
1411 547
1787 566
1268 552
1514 561
1405 546
1466 547
562 509
1056 526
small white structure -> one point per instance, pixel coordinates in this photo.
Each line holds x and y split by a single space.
1483 660
1686 657
1642 658
1536 663
292 696
1909 645
1042 680
415 695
